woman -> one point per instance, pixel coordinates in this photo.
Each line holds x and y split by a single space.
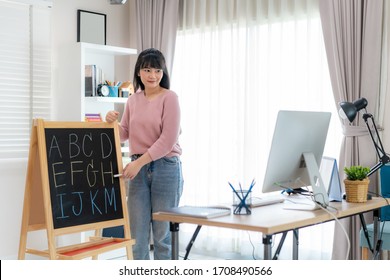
151 124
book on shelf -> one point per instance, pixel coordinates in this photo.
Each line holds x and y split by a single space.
206 212
93 77
90 86
93 118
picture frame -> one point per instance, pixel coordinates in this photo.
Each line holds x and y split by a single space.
91 27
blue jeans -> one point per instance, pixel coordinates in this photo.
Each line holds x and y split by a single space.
158 185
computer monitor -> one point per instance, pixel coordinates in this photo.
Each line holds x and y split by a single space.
296 152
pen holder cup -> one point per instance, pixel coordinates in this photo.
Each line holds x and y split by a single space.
242 201
113 91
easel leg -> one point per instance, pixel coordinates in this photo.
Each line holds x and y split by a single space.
98 233
129 251
24 227
33 152
23 232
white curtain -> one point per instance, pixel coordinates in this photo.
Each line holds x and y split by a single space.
237 63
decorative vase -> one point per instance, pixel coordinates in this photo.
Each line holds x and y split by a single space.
357 190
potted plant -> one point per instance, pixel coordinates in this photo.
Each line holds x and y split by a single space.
356 183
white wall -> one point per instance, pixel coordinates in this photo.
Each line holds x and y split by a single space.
119 20
120 28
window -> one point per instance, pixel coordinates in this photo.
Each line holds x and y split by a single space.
25 74
236 65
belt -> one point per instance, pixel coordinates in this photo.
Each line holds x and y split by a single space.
135 156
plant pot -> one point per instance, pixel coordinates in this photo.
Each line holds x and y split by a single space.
356 191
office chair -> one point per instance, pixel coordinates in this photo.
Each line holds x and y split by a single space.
384 229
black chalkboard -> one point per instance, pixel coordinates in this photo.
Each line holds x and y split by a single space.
82 163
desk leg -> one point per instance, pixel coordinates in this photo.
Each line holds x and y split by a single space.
376 247
277 252
295 244
365 231
267 242
174 228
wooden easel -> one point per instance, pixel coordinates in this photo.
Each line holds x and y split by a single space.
38 204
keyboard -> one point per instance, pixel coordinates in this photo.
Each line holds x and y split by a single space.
303 207
266 200
300 203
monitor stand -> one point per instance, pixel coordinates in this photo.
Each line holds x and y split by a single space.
320 196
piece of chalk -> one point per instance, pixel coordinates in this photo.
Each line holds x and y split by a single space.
117 175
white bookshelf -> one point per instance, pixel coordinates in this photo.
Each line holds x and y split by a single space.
72 105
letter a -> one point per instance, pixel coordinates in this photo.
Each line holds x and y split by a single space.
54 145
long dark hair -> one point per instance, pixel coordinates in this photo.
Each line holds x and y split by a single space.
150 58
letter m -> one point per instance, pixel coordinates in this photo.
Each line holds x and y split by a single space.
109 198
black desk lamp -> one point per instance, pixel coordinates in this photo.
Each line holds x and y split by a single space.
349 111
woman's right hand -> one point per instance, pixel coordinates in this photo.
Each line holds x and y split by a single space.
112 116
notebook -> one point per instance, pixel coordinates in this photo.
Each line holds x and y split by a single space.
206 212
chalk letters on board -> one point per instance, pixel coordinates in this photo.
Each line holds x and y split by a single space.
82 163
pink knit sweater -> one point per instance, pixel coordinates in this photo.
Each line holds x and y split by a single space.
152 125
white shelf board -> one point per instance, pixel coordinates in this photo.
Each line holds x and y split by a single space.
106 99
105 49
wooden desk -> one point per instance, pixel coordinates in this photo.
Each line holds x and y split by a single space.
270 220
